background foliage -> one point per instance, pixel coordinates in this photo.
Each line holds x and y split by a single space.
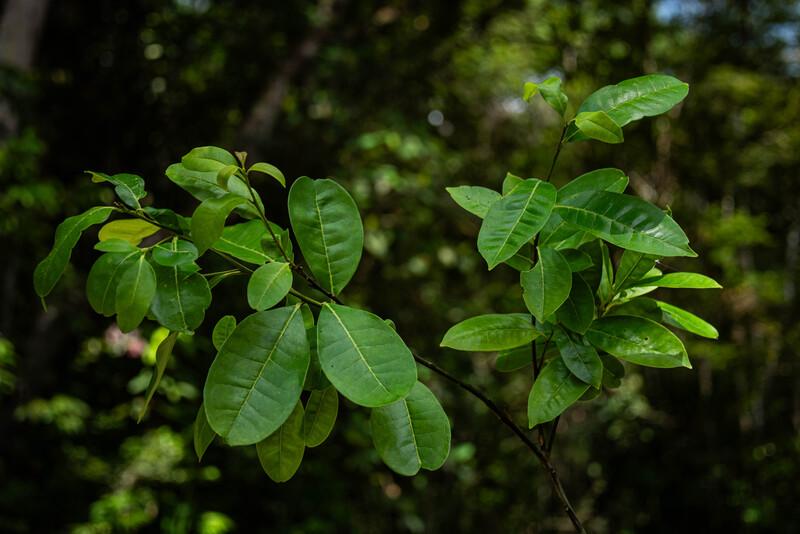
398 100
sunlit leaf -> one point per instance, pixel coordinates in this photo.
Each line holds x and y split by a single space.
491 332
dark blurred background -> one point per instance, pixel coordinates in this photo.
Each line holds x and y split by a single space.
398 99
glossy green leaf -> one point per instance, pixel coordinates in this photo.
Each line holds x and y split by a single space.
281 453
529 90
514 220
551 92
131 230
578 260
116 245
680 318
412 433
203 434
632 267
320 416
223 330
208 219
181 298
613 371
640 307
128 187
174 253
208 158
547 285
491 332
256 379
363 357
475 200
328 228
680 280
637 340
613 180
244 242
605 289
578 311
169 219
103 277
163 355
512 359
135 291
224 175
555 390
268 285
600 126
510 182
270 170
50 269
627 222
315 378
580 357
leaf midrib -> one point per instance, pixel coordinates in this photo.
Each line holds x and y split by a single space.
357 348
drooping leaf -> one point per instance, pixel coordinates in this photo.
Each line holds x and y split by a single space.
320 416
475 200
203 434
328 228
632 267
599 125
223 330
135 291
131 230
116 245
101 284
491 332
547 285
580 357
514 220
268 285
512 359
270 170
163 355
128 187
555 390
363 357
637 340
208 219
244 242
181 298
49 270
551 92
412 433
613 180
281 453
578 311
680 318
256 379
175 253
680 280
625 221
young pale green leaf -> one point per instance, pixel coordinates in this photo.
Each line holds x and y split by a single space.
529 90
512 359
412 433
578 260
578 311
103 278
116 245
203 434
135 291
175 253
244 242
222 331
491 332
680 318
632 267
625 221
637 340
281 453
50 269
679 281
208 158
514 220
131 230
224 175
208 219
256 379
551 92
580 358
613 371
475 200
320 416
555 390
547 285
328 228
181 298
363 357
605 289
269 170
613 180
128 187
600 126
510 182
163 354
268 285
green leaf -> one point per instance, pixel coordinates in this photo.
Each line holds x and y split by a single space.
315 378
547 285
268 285
244 241
163 354
131 230
510 182
578 260
412 433
605 289
135 291
580 358
328 228
640 307
529 90
223 330
321 410
208 158
475 200
632 267
116 245
175 253
169 219
270 170
203 433
514 220
627 222
680 318
613 371
512 359
679 280
578 311
128 187
613 180
282 452
103 278
599 125
637 340
553 95
491 332
208 219
256 379
224 175
68 232
363 357
181 299
555 390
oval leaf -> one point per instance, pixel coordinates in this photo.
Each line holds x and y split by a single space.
208 219
270 170
578 311
181 298
102 281
203 434
491 332
637 340
268 285
475 200
680 318
281 453
131 230
176 252
223 330
320 416
555 390
135 291
598 125
613 180
680 280
547 285
580 358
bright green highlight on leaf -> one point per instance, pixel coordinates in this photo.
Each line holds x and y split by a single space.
637 340
131 230
680 281
268 285
491 332
598 125
474 199
135 291
555 390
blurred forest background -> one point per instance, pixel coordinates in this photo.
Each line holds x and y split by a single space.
398 99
